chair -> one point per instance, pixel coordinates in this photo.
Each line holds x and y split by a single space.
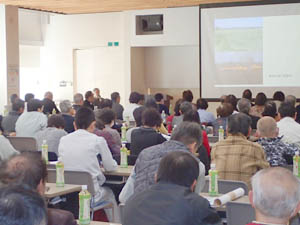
81 178
239 213
225 186
23 143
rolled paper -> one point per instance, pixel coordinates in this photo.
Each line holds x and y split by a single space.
230 196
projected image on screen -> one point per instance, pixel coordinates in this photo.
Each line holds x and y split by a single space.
239 50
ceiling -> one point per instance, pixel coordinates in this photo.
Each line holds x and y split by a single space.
97 6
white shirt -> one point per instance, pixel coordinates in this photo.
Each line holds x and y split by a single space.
79 152
290 130
128 111
29 123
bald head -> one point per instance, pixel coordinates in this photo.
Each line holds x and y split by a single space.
276 193
267 127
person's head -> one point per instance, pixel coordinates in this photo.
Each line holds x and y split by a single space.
21 206
185 107
188 96
275 195
159 98
137 115
223 98
151 118
56 121
27 169
177 107
107 116
48 95
270 109
34 105
291 99
115 97
66 107
85 119
106 103
279 96
239 123
202 104
28 97
260 99
192 116
244 105
97 92
13 98
267 127
179 168
150 102
78 99
190 134
225 110
89 96
232 100
247 94
18 106
134 97
286 110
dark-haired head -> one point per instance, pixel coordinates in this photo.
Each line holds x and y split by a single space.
159 97
286 110
107 116
34 105
13 98
134 97
225 110
56 121
239 123
21 206
89 96
202 104
150 102
29 96
270 109
115 97
179 168
188 96
279 96
231 99
192 116
260 99
177 107
84 118
106 103
247 94
151 118
18 106
137 114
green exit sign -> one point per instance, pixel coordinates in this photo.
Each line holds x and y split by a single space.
110 44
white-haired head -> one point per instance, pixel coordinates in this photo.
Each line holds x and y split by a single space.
276 193
65 106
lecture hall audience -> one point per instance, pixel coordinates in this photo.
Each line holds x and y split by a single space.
49 104
206 117
9 121
258 108
67 113
137 114
223 113
97 98
116 106
244 106
271 110
134 100
89 100
184 107
78 101
278 98
160 102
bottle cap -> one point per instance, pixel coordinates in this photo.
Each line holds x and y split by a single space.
44 142
59 159
213 166
84 187
221 127
123 145
296 153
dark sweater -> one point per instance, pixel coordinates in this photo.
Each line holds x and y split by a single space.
49 105
69 123
168 204
143 138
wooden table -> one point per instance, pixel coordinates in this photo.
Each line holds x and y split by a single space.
243 199
53 191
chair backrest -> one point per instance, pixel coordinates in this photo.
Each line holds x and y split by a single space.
225 186
74 177
23 143
239 213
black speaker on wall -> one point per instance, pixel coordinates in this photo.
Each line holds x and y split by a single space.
151 23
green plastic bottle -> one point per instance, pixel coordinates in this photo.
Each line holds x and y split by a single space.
60 173
221 133
123 133
213 181
84 206
296 164
124 155
45 151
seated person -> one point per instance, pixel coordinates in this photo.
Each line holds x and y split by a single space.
78 101
6 149
276 150
32 121
244 106
186 137
278 98
68 113
52 134
176 113
137 114
206 117
79 151
134 99
236 158
106 103
223 112
147 134
89 100
183 108
288 127
271 110
275 196
97 97
116 106
9 121
21 206
160 102
49 104
258 108
30 170
172 199
107 116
